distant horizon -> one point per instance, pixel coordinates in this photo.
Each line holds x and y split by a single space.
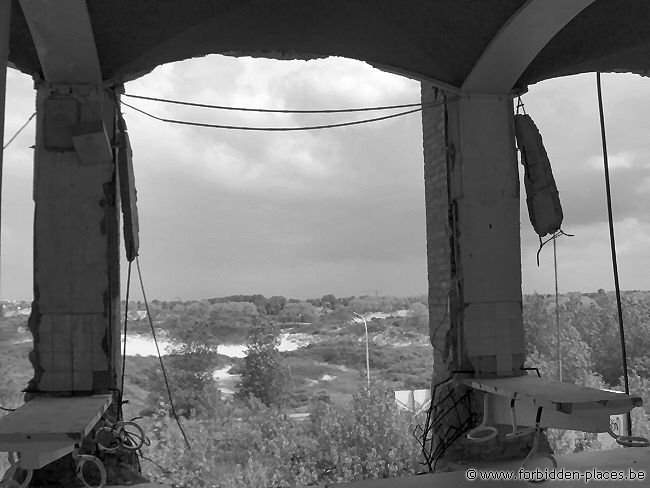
177 298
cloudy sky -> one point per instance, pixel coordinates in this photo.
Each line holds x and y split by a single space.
334 211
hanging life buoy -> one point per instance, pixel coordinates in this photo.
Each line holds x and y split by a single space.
542 197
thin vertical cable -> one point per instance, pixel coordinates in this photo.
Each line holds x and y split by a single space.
126 319
160 359
621 328
557 315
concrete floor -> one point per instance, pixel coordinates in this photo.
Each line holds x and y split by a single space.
612 460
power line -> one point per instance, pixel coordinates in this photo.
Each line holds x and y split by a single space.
279 129
274 111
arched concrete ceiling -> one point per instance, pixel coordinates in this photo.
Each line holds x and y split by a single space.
438 40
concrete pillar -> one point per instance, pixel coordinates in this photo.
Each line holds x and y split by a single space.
473 246
75 312
485 196
473 252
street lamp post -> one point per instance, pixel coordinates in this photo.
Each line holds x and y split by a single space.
367 348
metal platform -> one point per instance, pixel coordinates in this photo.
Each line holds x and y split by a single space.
47 428
565 405
563 397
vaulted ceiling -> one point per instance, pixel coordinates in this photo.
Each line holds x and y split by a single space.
435 40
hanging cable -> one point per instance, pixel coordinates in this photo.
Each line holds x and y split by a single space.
612 240
555 235
17 133
557 314
280 129
162 365
126 319
275 111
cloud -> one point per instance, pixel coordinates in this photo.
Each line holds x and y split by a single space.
342 210
625 159
257 207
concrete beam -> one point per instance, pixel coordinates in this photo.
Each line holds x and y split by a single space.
64 40
518 42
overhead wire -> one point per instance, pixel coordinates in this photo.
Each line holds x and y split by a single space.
273 110
612 241
278 129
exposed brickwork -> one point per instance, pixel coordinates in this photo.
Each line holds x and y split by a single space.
439 242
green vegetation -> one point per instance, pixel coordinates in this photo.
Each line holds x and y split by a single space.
261 436
257 446
262 374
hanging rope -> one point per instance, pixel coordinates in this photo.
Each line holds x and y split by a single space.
126 320
612 240
557 314
162 364
542 243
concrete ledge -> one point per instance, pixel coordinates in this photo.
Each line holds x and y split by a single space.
141 485
612 460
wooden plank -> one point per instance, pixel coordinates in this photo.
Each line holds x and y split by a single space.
49 419
564 397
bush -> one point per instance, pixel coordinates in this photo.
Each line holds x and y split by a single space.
368 439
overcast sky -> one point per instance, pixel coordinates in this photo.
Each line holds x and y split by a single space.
334 211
